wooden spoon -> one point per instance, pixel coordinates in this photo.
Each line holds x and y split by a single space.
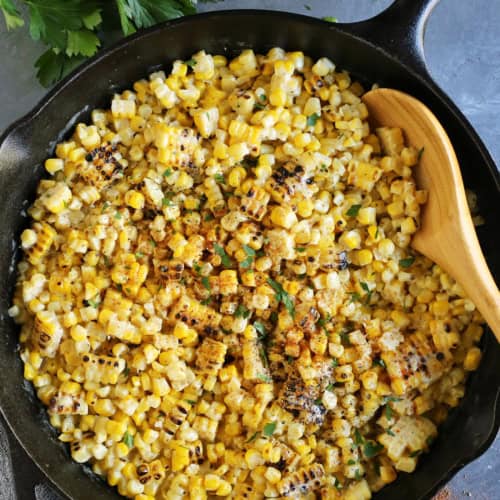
447 235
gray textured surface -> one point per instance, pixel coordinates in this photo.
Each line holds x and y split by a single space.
463 54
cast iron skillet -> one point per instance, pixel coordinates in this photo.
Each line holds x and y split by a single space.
385 49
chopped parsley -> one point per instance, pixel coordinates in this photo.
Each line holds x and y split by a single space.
406 263
258 106
242 312
190 401
389 431
351 462
253 437
197 268
312 119
168 172
353 210
330 387
369 292
208 217
265 378
191 63
335 363
260 329
282 296
219 178
166 202
358 438
330 19
371 448
118 215
205 282
379 362
139 255
226 260
263 97
128 439
415 453
300 249
344 338
250 252
337 484
358 475
269 429
355 297
93 303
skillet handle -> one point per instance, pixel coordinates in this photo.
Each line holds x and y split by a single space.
399 30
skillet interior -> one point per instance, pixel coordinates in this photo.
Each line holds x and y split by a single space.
470 429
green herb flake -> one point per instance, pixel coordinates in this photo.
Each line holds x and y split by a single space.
190 401
353 210
358 438
190 62
249 250
335 363
197 267
208 217
415 453
118 215
290 359
128 439
205 282
126 371
330 19
263 97
269 429
220 178
168 172
389 431
330 387
242 312
139 255
93 303
166 202
253 437
260 329
351 462
258 106
105 205
282 296
355 297
226 260
265 378
344 338
379 362
300 249
337 484
406 263
371 448
312 119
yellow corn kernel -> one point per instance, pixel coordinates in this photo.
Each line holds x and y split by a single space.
472 359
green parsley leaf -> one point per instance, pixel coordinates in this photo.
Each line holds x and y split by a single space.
105 205
358 438
128 439
242 312
353 210
415 453
263 97
219 178
190 401
93 303
265 378
335 363
208 217
190 62
52 66
197 267
226 260
258 106
167 202
406 263
290 359
253 437
82 42
389 431
93 20
12 16
371 448
351 462
330 387
330 19
318 402
249 250
355 297
369 292
300 249
260 329
379 362
205 282
344 338
118 215
168 172
358 475
269 429
312 119
245 264
139 255
337 484
282 296
126 371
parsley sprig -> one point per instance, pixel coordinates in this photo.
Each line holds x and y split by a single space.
73 30
282 296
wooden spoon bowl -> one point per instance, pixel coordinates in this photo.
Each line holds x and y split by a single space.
447 235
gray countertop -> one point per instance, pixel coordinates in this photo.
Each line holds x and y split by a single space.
463 55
